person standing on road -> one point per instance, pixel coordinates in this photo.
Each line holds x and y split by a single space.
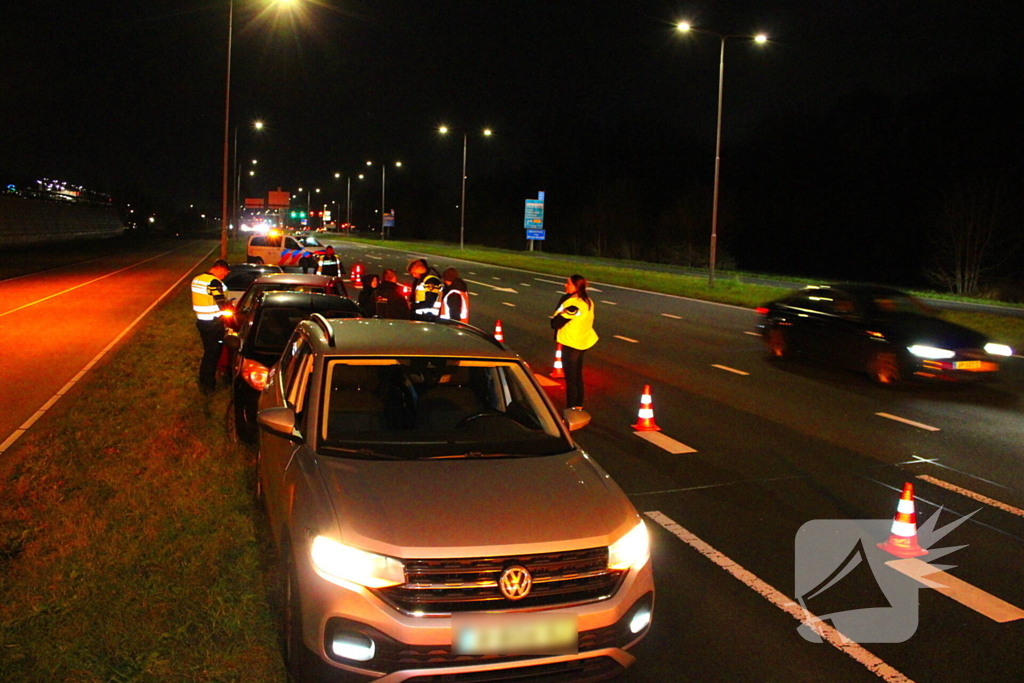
426 290
574 322
329 264
368 295
391 302
454 297
209 304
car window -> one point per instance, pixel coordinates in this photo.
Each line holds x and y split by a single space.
298 385
290 243
312 242
241 279
896 304
435 407
814 300
258 241
274 241
274 327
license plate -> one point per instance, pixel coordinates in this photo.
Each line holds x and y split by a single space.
514 634
976 366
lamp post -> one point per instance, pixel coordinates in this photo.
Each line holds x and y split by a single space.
383 186
443 130
257 126
759 38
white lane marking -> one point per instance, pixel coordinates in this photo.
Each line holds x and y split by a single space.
828 632
904 420
553 282
594 289
496 288
505 303
545 382
666 442
379 258
610 303
967 595
631 341
752 334
472 272
526 284
728 369
495 278
9 441
971 494
97 279
674 317
474 293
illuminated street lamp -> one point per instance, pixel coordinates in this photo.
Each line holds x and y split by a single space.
383 184
443 130
758 38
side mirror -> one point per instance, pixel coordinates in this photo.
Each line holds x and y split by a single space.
576 418
232 341
280 421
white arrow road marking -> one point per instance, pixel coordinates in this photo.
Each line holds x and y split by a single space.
970 494
674 317
505 303
828 632
666 442
904 420
961 591
632 341
610 303
496 288
728 369
544 381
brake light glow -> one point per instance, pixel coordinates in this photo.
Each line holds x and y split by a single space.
255 374
761 310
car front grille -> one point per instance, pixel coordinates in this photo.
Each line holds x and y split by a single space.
444 586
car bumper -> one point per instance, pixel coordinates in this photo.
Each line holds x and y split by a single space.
955 370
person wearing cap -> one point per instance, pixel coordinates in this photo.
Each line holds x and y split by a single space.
426 290
210 305
454 297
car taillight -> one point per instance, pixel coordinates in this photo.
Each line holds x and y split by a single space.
255 374
761 310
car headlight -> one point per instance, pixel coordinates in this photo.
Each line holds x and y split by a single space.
930 352
632 549
340 562
998 349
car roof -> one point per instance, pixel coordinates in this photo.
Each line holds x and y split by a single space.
294 279
398 338
254 267
860 289
312 300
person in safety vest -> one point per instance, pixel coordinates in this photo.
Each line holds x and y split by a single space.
454 297
574 322
210 305
330 263
426 290
391 302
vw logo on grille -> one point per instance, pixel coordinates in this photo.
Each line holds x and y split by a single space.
515 582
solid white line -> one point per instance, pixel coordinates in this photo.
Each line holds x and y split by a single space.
88 366
967 595
972 495
545 382
505 303
728 369
752 334
674 317
904 420
632 341
610 303
666 442
83 284
828 632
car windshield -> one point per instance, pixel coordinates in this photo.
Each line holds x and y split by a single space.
275 325
435 408
241 279
310 241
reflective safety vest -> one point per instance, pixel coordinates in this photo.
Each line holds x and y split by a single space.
578 332
207 295
329 265
457 299
426 302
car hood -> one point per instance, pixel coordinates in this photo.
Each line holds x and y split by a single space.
476 507
924 330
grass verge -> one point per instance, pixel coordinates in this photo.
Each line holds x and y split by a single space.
130 545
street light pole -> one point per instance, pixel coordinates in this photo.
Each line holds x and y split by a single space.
462 203
227 129
383 167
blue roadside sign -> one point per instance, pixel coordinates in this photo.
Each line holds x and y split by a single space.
534 219
535 234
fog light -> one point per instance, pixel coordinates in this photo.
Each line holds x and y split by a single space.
640 619
354 646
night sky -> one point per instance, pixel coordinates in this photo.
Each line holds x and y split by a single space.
128 97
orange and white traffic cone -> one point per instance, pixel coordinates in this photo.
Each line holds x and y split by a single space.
903 537
645 418
557 372
498 334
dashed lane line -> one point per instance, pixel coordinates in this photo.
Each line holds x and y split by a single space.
626 339
967 595
551 282
666 442
728 369
495 277
674 317
752 334
919 425
526 284
474 293
506 303
972 495
610 303
828 632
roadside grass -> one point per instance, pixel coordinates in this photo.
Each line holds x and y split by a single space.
131 548
728 289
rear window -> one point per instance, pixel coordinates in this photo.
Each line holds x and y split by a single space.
241 279
274 326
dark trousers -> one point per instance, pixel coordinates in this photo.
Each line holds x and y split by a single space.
212 334
572 359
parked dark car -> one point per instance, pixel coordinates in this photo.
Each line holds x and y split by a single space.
241 275
258 344
885 332
283 282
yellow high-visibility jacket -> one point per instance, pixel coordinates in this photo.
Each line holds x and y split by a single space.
207 297
578 332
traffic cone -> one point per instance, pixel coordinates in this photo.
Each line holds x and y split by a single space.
903 537
557 373
645 418
498 334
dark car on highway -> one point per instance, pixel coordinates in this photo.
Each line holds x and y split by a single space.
283 282
241 275
882 331
258 344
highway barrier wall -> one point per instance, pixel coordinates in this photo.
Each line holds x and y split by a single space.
35 221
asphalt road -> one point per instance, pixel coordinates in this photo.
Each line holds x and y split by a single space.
56 324
770 447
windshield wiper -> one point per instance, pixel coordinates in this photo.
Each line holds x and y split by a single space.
367 453
470 455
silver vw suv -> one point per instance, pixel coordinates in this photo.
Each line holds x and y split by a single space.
434 518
